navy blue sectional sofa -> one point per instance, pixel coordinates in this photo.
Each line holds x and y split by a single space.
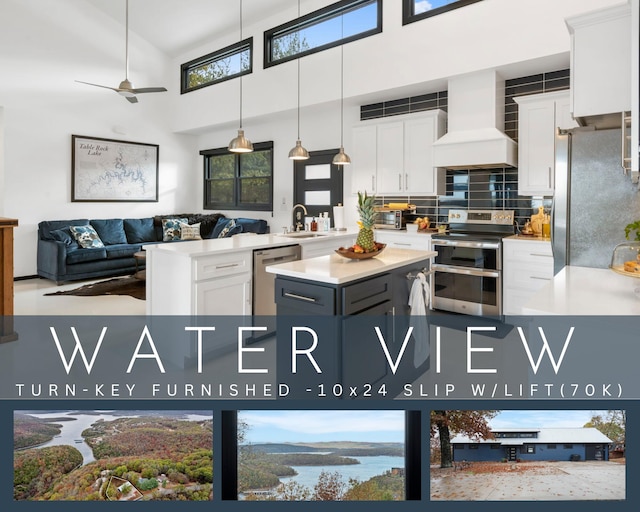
61 258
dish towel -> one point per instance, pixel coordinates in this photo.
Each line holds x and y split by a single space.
418 302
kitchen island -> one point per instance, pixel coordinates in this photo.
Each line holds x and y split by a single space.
215 277
586 291
343 323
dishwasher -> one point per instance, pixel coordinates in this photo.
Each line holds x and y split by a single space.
264 304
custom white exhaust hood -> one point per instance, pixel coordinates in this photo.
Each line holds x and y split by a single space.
475 138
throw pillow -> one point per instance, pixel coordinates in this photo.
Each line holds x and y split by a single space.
110 231
222 222
171 229
140 230
86 236
64 236
230 229
190 231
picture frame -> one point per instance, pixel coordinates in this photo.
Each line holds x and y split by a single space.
109 170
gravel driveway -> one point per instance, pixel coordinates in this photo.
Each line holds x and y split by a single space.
586 480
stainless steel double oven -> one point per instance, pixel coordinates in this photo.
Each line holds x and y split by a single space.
467 271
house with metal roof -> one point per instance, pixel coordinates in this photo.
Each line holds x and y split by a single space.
529 444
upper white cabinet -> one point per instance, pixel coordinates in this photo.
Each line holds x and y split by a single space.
394 156
363 159
539 115
601 48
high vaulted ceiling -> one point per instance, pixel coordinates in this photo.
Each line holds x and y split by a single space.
174 26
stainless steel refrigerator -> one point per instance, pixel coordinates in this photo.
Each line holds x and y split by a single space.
594 200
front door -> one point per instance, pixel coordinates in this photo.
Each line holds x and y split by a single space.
512 453
317 184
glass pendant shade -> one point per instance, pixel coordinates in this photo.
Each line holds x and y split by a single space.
341 158
298 152
240 144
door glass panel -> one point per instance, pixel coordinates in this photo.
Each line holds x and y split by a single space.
317 172
317 197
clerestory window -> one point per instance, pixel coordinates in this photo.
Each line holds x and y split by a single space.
325 28
230 62
416 10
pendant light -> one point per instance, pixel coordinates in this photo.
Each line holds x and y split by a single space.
341 157
240 144
298 152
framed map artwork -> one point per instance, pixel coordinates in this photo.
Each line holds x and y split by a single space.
107 170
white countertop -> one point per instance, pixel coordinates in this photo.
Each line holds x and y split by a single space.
334 269
240 242
528 238
586 291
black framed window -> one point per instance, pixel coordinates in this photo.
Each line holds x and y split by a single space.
239 181
336 24
474 446
529 448
416 10
230 62
551 447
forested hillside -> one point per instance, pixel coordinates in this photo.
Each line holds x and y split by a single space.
156 458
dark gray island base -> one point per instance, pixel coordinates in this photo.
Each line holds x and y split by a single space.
342 326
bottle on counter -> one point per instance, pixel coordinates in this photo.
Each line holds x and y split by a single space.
314 225
327 222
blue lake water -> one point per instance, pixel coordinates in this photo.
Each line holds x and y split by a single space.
72 430
368 467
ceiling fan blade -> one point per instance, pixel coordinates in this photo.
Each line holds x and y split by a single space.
132 99
148 89
98 85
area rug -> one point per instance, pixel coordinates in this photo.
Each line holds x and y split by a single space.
118 286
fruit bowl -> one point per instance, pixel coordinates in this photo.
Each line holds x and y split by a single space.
349 253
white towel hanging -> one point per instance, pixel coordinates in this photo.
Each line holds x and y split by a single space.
418 302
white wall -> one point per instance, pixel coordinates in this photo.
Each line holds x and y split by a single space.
45 47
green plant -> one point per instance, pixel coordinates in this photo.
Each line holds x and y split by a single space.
634 226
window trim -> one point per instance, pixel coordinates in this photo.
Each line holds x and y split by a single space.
230 50
408 15
290 26
237 205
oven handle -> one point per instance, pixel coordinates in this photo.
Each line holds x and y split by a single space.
459 243
466 271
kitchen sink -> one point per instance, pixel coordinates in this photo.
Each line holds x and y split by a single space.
302 234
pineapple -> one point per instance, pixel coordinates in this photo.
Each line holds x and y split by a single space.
367 217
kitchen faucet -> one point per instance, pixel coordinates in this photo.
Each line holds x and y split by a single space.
298 216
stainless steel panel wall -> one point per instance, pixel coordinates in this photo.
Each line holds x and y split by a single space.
602 199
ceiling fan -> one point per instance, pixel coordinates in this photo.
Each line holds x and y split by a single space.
126 88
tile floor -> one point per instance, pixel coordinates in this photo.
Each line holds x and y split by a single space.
30 299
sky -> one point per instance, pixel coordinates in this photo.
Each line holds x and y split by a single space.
309 426
544 418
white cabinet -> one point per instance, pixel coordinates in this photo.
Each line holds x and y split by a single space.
539 115
421 178
326 245
402 240
527 265
224 296
390 158
363 159
601 48
394 157
208 284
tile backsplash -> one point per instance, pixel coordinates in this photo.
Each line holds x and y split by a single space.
491 189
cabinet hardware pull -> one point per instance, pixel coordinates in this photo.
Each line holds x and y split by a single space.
542 255
549 178
399 181
231 265
400 243
406 181
373 182
540 278
299 297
